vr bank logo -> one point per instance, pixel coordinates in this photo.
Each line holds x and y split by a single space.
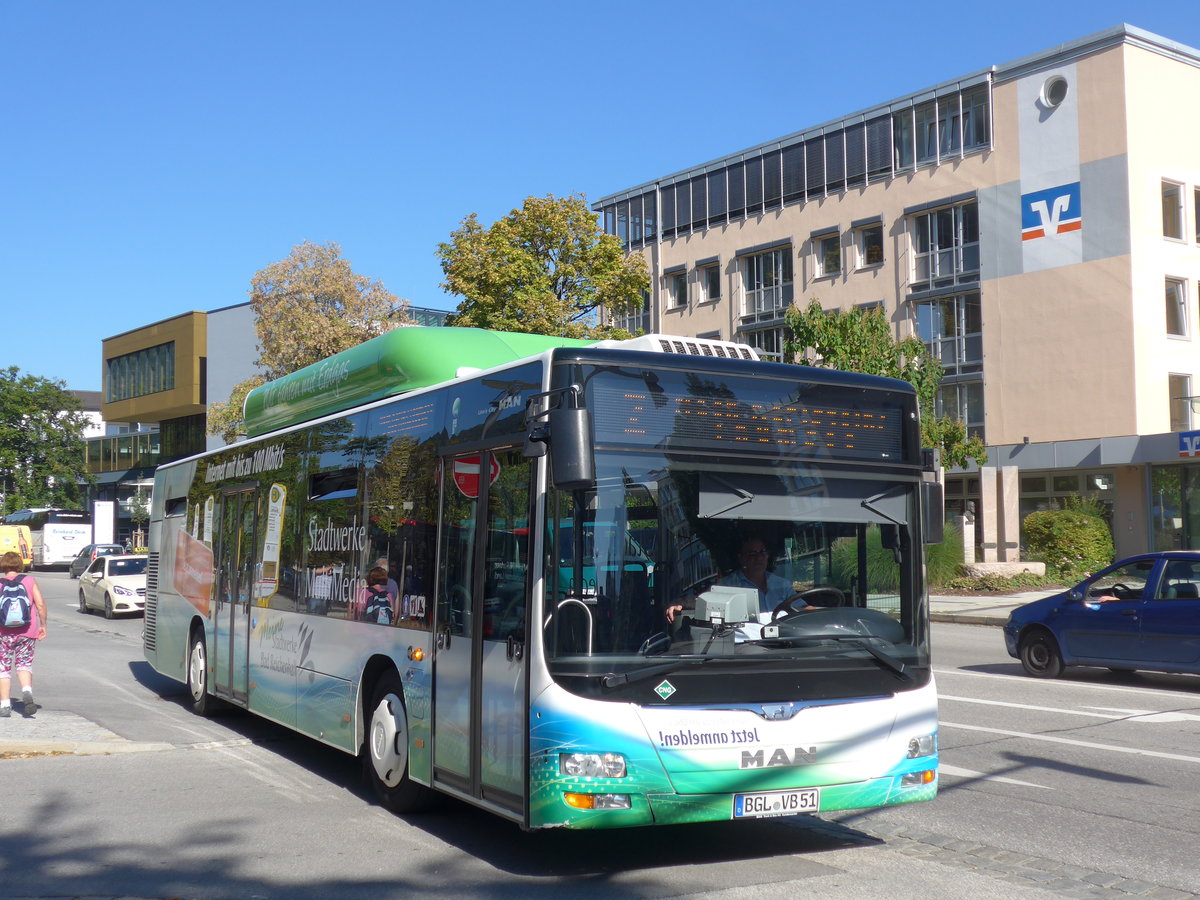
1189 444
1052 211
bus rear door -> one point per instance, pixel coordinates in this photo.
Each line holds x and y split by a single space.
235 585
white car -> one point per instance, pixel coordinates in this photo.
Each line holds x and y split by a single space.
115 584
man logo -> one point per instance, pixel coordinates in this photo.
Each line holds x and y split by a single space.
1050 212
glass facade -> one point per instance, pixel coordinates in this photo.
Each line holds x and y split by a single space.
863 149
147 371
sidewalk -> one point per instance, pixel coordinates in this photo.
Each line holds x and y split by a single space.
981 609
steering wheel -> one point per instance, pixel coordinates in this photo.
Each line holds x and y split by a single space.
1118 588
787 608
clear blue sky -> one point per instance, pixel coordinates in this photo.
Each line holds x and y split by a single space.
155 155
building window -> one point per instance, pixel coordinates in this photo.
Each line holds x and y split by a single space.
1177 313
828 250
952 330
1196 212
946 244
677 289
767 283
767 341
140 373
636 321
1181 402
869 240
1172 210
710 283
832 159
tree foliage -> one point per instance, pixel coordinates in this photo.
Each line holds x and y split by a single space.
42 451
307 307
861 341
545 268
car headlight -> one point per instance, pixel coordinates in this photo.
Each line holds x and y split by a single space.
122 591
592 765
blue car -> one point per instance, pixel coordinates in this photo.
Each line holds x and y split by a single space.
1139 613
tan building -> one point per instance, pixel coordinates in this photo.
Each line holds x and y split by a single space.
1027 222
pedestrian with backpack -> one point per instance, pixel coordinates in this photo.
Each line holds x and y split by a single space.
22 625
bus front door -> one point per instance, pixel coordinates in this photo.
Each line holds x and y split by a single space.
480 704
234 595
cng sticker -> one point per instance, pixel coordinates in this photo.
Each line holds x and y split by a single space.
665 690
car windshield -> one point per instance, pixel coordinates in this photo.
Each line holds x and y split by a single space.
135 566
671 566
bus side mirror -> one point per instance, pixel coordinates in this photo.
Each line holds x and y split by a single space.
572 466
933 512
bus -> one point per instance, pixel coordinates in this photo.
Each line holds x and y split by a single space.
18 539
530 667
58 534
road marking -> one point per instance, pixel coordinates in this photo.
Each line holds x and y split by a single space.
1053 709
1026 679
944 769
1178 757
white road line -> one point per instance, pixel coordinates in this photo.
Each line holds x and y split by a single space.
1053 709
944 769
1136 751
1063 682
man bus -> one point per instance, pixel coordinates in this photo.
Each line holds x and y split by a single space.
531 667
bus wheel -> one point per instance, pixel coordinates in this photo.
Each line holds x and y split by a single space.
385 749
197 675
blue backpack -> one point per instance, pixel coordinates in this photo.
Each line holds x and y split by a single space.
14 603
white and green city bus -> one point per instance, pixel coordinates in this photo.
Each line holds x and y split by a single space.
541 503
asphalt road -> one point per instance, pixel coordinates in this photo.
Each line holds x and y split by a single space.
1082 787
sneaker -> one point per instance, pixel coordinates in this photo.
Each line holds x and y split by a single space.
30 707
5 712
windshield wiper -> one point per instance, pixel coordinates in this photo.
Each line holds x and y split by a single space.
616 679
885 659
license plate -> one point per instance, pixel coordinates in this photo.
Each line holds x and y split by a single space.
776 803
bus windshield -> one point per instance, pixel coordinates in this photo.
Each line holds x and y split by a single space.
775 572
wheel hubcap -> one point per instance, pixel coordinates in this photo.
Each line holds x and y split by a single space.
196 671
388 741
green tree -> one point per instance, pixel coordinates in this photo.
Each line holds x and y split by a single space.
41 443
307 307
545 268
861 341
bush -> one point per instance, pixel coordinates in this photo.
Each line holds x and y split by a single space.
942 561
1071 543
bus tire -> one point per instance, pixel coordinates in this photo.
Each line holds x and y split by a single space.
385 749
203 703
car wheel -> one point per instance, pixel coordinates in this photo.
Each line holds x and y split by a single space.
83 606
203 703
385 750
108 610
1040 656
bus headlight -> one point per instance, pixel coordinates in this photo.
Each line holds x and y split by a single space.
598 801
592 765
925 745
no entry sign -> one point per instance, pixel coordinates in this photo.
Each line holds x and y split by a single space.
466 474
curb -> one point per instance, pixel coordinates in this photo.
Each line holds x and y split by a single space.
969 618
